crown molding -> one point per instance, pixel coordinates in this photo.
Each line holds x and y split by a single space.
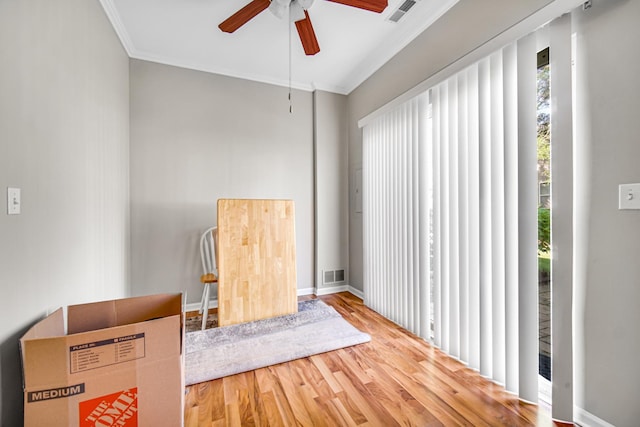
118 26
357 76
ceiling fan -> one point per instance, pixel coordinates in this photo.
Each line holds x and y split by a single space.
298 12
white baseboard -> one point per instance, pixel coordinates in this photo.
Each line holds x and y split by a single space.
336 289
195 306
331 290
586 419
356 292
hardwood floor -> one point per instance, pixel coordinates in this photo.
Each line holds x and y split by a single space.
396 379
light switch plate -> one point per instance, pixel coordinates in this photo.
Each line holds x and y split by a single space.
629 196
13 201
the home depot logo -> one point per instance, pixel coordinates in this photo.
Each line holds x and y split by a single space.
117 409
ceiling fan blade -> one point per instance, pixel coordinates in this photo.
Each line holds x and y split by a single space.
243 16
373 5
307 35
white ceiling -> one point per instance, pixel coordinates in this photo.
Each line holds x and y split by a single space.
354 43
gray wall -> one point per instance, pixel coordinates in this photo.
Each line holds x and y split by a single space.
332 197
466 26
607 291
608 277
64 140
196 138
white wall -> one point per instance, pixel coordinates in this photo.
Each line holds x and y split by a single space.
196 138
64 140
608 239
331 183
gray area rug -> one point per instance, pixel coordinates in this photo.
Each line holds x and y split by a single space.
315 328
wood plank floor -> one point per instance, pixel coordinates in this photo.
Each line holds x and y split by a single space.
396 379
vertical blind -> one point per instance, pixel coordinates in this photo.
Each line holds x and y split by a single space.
450 215
395 236
561 90
479 234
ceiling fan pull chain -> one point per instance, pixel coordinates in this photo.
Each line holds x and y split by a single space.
290 27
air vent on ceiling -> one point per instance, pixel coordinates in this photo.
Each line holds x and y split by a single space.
402 10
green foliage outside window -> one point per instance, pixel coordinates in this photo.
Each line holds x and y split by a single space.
544 229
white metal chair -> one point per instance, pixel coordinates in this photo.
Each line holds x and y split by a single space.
208 253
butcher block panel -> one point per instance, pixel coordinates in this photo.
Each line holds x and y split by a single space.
256 260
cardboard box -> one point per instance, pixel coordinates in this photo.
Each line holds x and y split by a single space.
120 363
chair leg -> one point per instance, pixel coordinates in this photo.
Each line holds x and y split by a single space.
204 291
204 306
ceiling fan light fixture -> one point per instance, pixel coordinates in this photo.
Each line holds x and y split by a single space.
278 9
296 12
306 4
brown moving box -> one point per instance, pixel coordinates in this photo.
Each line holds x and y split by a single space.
120 363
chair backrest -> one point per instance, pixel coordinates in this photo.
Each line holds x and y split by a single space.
208 251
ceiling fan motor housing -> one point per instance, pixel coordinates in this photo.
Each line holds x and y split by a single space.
295 8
